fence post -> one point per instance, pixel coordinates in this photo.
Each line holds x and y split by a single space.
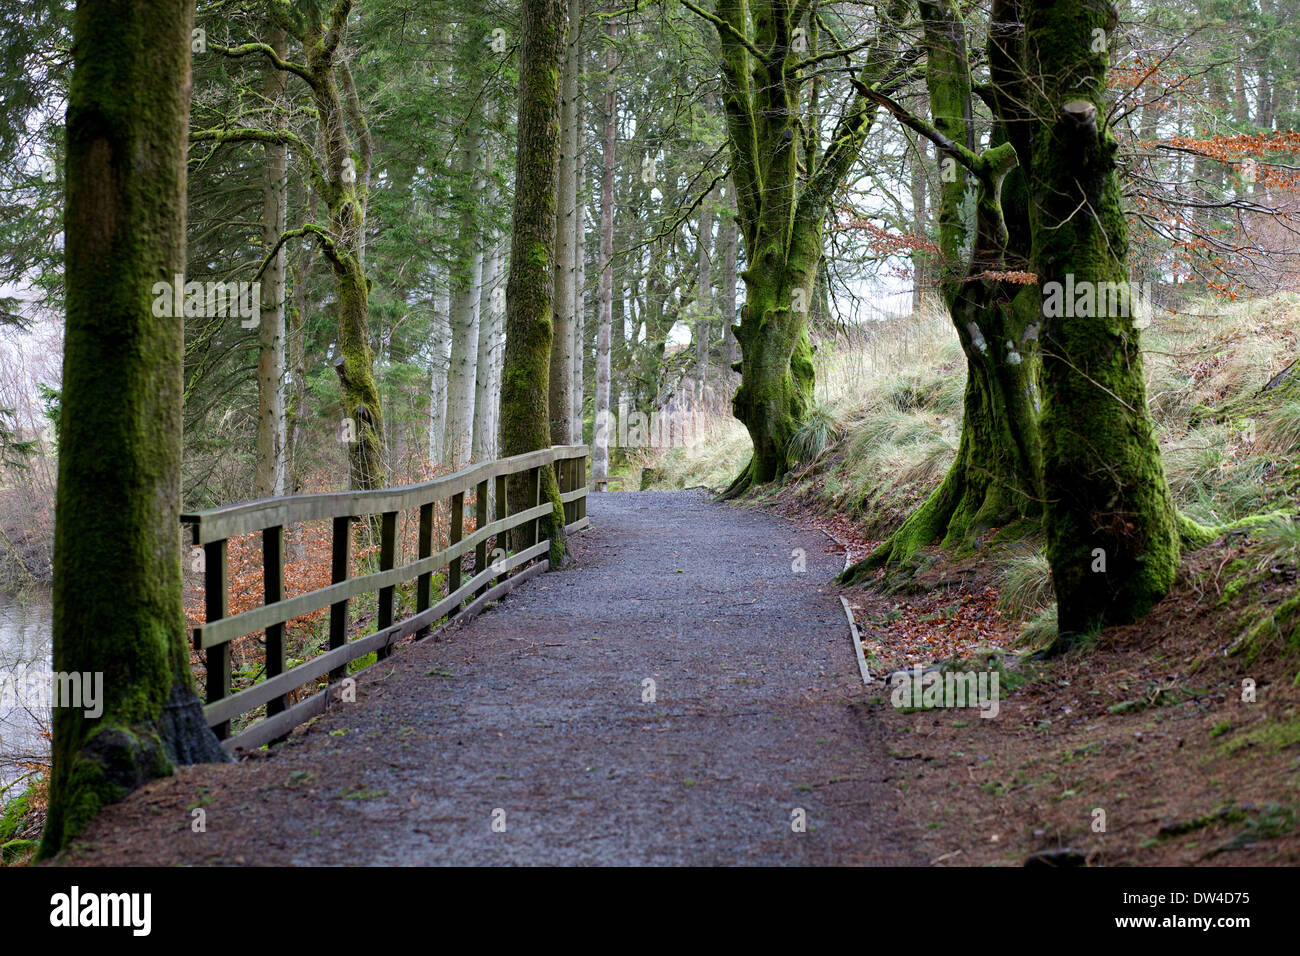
537 500
502 539
342 550
582 473
455 534
424 583
480 521
565 466
273 592
387 559
216 602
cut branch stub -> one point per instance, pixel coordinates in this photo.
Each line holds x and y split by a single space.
1081 112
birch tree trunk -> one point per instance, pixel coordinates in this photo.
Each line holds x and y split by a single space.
602 424
918 160
466 282
271 366
727 303
703 299
579 288
487 381
438 378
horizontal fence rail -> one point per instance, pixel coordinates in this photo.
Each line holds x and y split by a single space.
271 516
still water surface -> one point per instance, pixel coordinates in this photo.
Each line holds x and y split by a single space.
24 667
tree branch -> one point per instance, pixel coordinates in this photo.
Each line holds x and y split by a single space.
247 49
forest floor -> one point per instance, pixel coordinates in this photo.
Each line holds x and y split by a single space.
535 715
1137 750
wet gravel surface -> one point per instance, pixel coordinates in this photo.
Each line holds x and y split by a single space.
524 737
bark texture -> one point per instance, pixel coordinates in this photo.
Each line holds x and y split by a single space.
530 289
995 476
601 429
466 282
271 366
562 352
117 557
1112 532
781 211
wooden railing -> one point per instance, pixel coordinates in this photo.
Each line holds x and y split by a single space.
212 529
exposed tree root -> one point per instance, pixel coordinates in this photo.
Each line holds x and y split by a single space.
740 484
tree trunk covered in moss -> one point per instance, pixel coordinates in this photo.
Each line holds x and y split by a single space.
530 288
781 210
117 558
339 172
995 476
1111 527
345 187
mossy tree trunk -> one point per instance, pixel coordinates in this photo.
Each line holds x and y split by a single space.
117 545
995 477
1111 526
781 207
339 173
530 287
346 168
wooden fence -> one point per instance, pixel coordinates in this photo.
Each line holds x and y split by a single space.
270 516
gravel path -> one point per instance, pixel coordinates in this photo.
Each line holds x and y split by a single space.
532 716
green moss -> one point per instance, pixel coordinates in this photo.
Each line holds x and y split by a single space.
1273 628
17 851
14 813
1104 483
1272 734
116 546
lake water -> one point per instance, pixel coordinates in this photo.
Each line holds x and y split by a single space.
25 672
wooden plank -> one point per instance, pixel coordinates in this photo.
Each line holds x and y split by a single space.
500 590
576 526
272 592
245 517
259 618
387 556
341 552
216 602
338 658
272 728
